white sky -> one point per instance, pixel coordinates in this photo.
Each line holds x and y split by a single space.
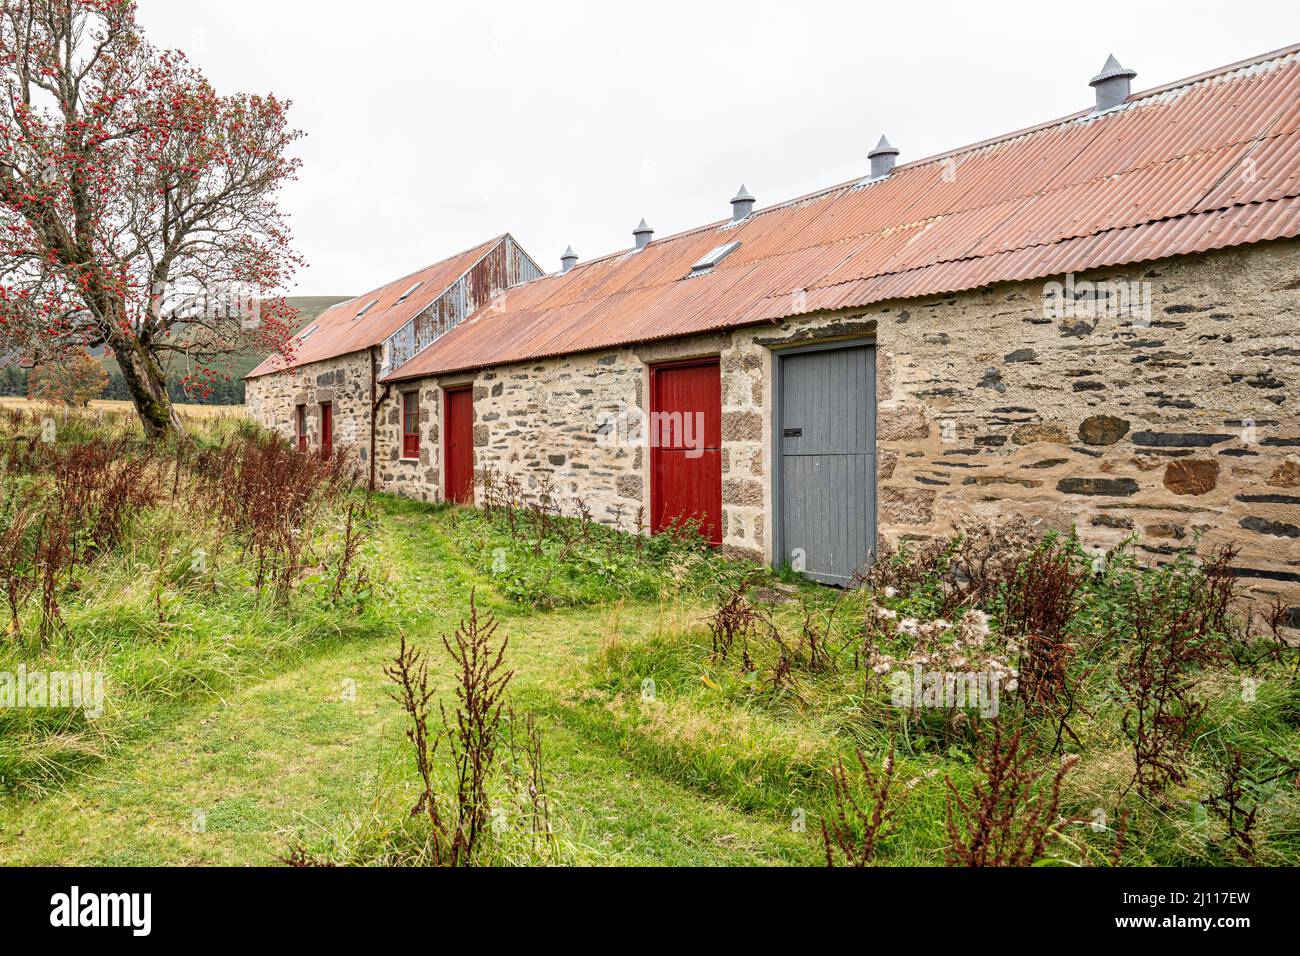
433 126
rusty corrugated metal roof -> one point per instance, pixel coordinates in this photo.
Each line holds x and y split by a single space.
338 330
1209 162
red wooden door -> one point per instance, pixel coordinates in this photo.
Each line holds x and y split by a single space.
686 447
458 445
326 429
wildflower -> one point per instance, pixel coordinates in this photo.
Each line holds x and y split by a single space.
978 620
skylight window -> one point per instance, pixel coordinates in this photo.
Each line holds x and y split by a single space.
369 305
410 292
308 334
709 262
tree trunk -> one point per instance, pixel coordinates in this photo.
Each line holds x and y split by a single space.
148 387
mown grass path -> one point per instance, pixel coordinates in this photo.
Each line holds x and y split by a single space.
232 780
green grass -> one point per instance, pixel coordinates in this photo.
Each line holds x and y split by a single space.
272 758
165 636
239 729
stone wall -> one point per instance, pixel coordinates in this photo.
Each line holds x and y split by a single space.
345 381
1173 428
418 478
579 423
565 418
1174 423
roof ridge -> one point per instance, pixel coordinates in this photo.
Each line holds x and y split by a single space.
415 272
1188 81
376 321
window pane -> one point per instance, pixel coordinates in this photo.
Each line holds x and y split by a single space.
411 425
410 413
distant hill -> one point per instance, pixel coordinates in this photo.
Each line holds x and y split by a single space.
13 379
309 309
311 306
236 366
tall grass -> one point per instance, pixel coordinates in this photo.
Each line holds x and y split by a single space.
770 731
118 559
545 551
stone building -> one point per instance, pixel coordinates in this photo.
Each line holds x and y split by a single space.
1091 322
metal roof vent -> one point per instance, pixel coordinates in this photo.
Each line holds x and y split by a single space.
568 260
882 158
1112 84
742 205
643 234
369 305
410 292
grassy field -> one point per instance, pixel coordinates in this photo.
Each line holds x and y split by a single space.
242 725
273 756
126 409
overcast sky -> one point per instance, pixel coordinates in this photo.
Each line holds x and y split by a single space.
432 126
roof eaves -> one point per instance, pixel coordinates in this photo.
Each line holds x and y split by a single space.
1258 63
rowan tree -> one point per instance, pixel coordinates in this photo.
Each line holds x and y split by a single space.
75 381
138 208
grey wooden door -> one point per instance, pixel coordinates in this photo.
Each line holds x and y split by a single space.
827 436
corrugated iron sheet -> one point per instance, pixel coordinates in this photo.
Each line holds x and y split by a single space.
1202 232
501 267
1208 163
340 332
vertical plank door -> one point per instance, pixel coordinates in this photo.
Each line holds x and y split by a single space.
458 445
326 429
686 447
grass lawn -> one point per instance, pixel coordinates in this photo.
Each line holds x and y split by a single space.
233 778
691 712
